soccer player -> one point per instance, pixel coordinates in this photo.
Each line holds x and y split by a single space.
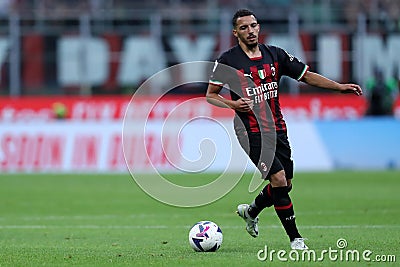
255 99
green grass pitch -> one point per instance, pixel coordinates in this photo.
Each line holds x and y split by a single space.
106 220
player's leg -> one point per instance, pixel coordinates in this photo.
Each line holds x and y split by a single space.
284 209
264 199
251 144
283 204
281 176
261 151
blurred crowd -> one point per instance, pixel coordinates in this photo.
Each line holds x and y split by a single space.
380 14
126 16
67 8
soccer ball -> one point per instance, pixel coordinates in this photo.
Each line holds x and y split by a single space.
205 236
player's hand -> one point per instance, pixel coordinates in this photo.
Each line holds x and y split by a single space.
351 88
244 104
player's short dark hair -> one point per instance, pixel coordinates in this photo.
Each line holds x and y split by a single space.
241 13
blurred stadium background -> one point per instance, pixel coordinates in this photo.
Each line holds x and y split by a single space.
69 68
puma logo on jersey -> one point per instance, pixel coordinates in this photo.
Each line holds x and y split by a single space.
248 75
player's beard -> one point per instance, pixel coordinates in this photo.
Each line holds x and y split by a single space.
252 45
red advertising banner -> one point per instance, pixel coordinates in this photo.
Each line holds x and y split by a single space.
323 107
308 107
102 108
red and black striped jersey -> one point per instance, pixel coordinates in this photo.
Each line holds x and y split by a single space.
257 79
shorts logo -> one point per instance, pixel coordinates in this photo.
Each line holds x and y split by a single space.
264 166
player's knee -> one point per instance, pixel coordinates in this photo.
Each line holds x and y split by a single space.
278 179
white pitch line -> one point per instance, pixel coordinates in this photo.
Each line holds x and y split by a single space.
142 215
90 226
83 227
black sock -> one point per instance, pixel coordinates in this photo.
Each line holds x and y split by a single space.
284 209
262 201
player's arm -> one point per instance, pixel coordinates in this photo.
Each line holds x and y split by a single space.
318 80
214 98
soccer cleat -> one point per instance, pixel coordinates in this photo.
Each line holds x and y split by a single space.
252 224
298 244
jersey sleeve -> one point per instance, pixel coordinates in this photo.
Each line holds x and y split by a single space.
290 65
